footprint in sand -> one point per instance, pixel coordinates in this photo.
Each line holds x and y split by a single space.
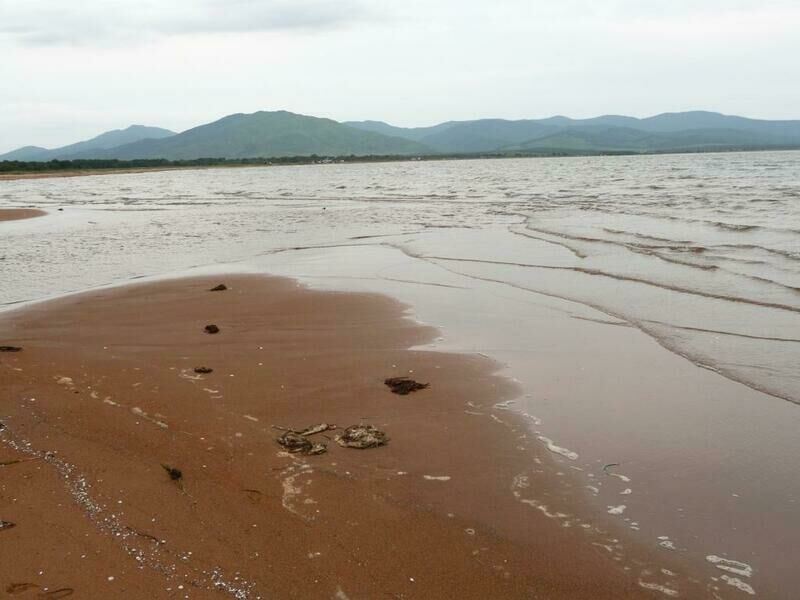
253 495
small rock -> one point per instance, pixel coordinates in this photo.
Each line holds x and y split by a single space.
203 370
212 329
219 288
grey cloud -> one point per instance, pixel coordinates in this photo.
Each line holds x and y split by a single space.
51 22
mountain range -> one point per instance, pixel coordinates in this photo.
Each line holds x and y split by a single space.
285 134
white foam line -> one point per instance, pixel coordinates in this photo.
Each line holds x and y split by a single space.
665 542
739 584
291 492
140 413
732 566
657 587
504 405
437 477
566 452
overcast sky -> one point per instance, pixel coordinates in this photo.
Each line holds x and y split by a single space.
70 70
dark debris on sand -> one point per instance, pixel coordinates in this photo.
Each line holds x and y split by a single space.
10 349
203 370
211 329
174 474
6 525
361 437
404 385
219 288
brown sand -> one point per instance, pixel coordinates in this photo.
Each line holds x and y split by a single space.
14 214
103 393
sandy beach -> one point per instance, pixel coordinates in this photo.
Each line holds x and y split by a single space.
15 214
104 393
613 400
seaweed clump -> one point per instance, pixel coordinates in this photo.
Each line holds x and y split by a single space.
404 385
297 443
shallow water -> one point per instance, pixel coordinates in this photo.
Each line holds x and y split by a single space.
602 283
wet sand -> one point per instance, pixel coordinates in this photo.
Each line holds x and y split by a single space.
15 214
104 393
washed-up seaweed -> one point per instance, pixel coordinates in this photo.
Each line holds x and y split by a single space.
219 288
361 437
404 385
203 370
10 349
296 443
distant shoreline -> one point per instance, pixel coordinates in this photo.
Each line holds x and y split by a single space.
17 170
44 174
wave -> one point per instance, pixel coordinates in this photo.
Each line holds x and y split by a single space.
735 227
643 236
619 277
784 253
653 250
663 341
722 332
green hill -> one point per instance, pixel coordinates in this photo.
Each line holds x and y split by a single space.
597 138
104 141
268 134
679 131
26 153
285 134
